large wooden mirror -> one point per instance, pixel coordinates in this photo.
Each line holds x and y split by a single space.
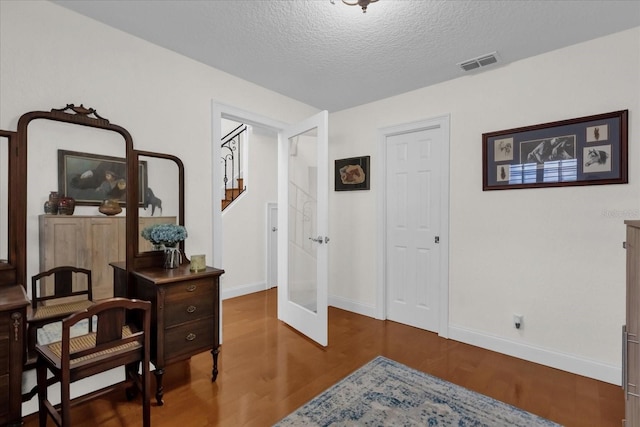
74 152
7 229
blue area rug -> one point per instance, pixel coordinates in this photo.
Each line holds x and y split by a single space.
53 331
387 393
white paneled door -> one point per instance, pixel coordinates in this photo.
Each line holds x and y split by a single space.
303 190
413 224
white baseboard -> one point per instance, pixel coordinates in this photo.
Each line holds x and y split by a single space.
543 356
353 306
239 291
563 361
338 302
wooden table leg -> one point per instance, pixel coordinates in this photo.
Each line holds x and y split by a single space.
214 371
159 372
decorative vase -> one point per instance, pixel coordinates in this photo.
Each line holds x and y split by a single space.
54 197
110 207
66 205
172 257
50 208
51 205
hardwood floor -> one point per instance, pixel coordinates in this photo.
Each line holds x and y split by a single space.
267 370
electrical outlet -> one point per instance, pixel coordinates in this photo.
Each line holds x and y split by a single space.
517 321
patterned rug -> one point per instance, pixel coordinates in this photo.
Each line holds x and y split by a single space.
53 331
387 393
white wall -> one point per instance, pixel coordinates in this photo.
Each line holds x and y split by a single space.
50 56
554 237
553 255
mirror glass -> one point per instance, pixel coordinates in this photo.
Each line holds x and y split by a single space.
89 165
4 201
160 179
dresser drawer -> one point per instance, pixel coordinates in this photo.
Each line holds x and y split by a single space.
189 338
196 288
188 301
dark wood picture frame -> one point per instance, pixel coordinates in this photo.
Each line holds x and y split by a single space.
92 178
587 150
352 174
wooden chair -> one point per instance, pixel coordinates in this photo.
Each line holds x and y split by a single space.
115 343
70 292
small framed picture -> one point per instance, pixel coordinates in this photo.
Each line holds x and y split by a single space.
352 174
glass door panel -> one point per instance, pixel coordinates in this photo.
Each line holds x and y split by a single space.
303 233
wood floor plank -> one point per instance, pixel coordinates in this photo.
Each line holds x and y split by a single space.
267 370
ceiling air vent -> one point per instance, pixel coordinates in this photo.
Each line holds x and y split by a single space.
480 61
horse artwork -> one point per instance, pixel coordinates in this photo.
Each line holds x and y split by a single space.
153 201
503 149
506 147
597 159
586 150
596 156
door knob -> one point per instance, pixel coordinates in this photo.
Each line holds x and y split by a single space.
320 239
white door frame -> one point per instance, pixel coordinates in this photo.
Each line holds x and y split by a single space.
443 123
222 111
272 238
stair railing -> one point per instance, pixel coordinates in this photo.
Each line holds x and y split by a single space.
231 149
301 212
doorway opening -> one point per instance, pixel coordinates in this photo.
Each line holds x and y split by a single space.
239 236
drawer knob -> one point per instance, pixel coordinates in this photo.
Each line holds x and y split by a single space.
191 288
191 336
191 309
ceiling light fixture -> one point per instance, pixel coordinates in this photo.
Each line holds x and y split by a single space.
362 3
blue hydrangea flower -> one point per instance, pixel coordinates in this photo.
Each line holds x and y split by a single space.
164 234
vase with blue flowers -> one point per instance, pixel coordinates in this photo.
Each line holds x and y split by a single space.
166 237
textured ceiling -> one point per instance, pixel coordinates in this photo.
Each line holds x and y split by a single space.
332 56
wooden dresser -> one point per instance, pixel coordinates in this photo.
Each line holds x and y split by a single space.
185 315
631 331
13 306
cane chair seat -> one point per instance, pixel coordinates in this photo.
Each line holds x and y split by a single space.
59 310
87 342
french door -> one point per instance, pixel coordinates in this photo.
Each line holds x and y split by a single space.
303 186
